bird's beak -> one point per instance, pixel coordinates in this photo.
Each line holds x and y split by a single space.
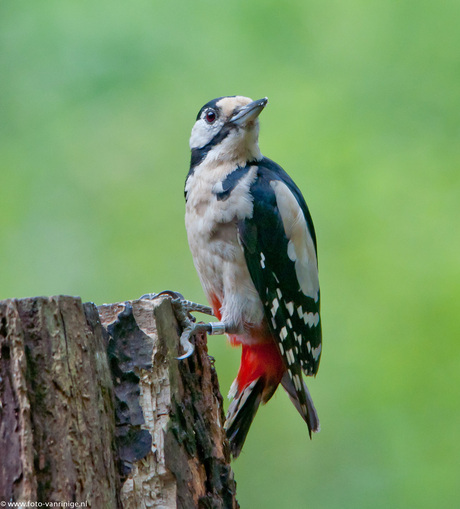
249 112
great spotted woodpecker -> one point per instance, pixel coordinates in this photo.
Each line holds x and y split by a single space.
254 247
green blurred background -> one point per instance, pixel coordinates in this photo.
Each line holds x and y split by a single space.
97 101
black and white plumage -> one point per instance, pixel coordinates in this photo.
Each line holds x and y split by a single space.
254 247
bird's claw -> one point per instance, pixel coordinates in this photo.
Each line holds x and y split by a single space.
185 343
191 330
182 309
171 293
194 306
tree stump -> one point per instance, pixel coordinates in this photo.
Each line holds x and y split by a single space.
95 408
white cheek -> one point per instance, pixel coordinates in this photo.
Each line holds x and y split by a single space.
202 134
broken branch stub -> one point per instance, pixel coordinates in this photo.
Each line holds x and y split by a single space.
178 404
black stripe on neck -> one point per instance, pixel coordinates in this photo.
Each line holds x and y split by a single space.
199 154
231 181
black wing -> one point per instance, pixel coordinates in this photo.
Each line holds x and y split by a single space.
279 244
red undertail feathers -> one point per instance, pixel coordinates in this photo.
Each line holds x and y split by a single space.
260 373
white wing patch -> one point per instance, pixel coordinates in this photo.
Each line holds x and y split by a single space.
262 260
290 308
316 352
311 319
301 249
275 306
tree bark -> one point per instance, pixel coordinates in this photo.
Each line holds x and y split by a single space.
56 421
95 408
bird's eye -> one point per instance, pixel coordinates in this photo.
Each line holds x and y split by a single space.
210 116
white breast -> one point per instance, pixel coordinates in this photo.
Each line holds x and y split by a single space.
213 238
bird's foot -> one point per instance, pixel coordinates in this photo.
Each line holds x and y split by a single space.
182 309
171 293
186 305
190 328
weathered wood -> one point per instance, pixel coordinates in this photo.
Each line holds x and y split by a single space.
108 415
187 463
56 418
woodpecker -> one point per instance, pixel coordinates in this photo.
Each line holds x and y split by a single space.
254 248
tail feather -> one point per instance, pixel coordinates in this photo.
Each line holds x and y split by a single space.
262 370
241 413
311 416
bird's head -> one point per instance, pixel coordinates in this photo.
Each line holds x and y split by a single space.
227 129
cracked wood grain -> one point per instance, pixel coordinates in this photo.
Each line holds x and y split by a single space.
187 464
95 407
56 424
